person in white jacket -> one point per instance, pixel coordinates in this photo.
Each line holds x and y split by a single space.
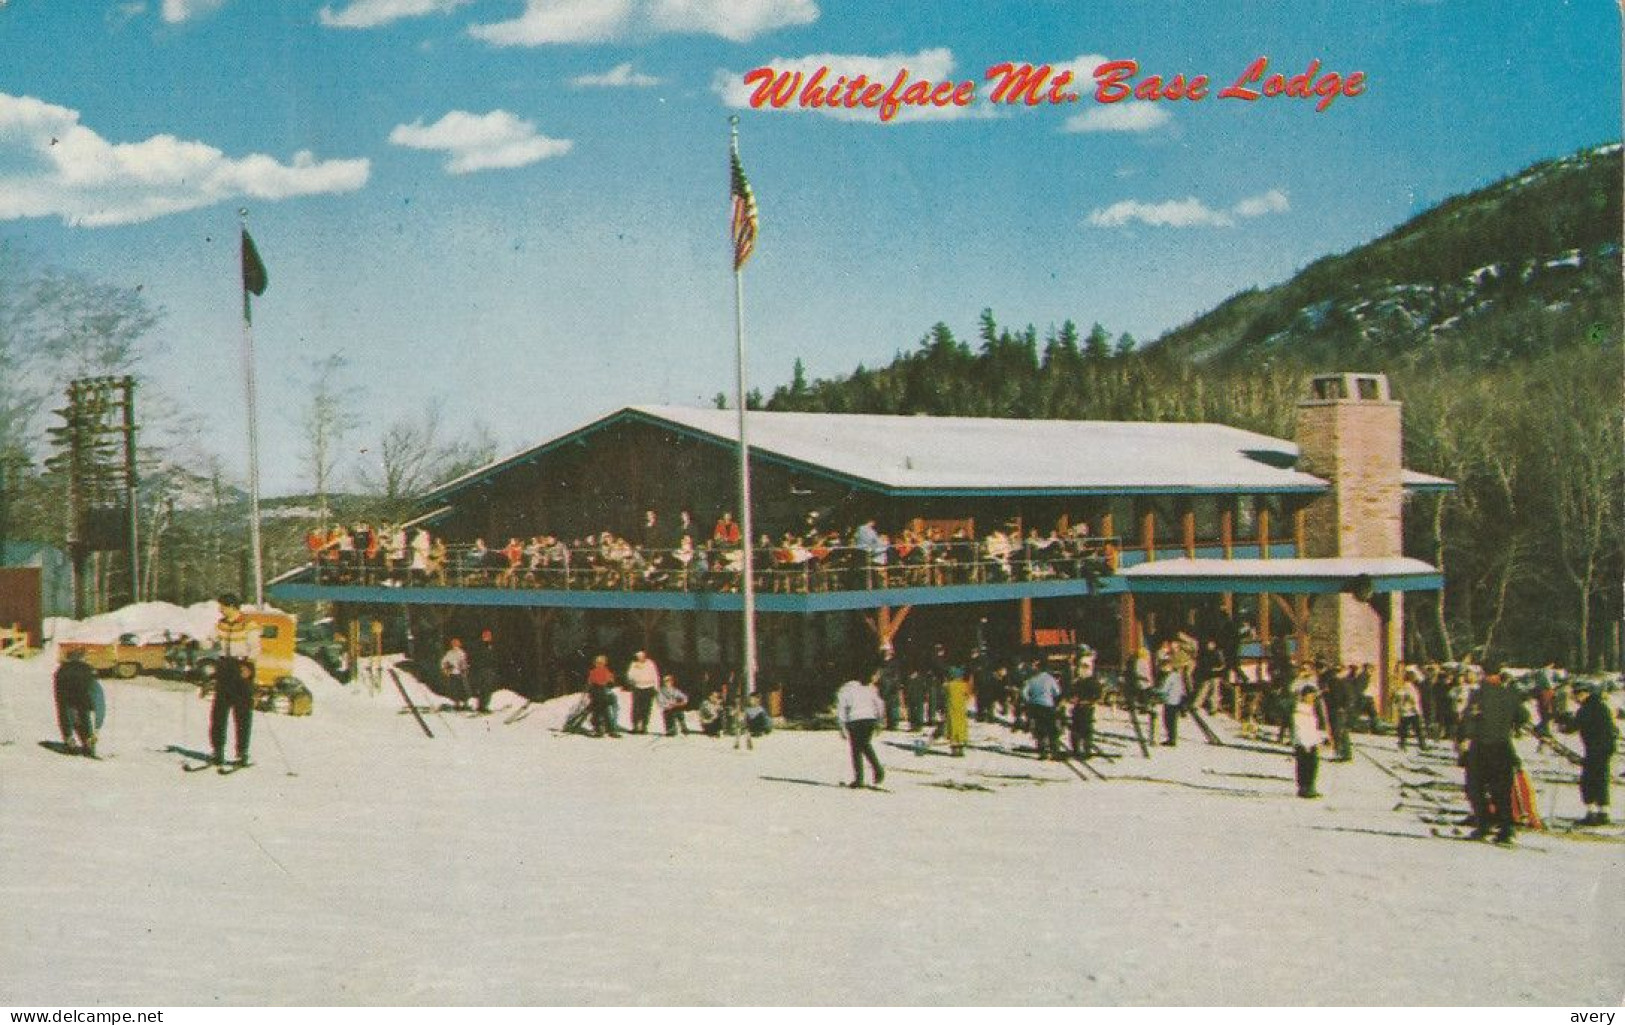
1307 737
643 676
859 708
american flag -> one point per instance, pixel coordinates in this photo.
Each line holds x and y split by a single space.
744 214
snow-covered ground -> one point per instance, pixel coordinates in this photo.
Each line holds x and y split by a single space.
360 862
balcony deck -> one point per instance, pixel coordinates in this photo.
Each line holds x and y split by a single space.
796 590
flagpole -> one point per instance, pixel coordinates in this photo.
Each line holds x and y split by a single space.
746 527
253 433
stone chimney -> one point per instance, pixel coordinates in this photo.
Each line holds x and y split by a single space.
1349 435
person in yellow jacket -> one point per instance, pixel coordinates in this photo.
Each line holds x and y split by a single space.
239 642
957 724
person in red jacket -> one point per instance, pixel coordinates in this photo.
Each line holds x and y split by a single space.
726 532
601 695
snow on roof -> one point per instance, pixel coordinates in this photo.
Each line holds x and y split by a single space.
1416 480
967 454
1334 568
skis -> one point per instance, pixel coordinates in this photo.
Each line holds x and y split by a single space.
393 675
1134 720
1201 724
519 713
1462 836
1562 749
222 769
57 747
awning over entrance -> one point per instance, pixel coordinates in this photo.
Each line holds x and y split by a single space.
1281 576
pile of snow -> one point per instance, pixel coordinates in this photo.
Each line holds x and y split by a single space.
148 621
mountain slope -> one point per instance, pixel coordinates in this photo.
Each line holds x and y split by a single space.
1512 270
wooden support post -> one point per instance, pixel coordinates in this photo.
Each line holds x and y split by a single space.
1227 529
1187 528
1300 622
1148 534
1263 517
1300 531
885 625
1128 628
1385 649
1026 622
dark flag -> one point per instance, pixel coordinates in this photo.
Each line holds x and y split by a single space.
254 276
744 213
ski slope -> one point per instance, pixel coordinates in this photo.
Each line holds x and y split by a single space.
360 862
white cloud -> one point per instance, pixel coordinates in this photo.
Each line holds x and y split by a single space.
602 21
1187 213
481 142
1118 117
177 11
121 14
52 166
935 65
1174 213
1272 202
621 76
373 13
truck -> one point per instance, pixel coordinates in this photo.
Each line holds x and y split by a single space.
125 658
278 689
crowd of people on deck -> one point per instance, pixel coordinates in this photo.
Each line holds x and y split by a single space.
680 556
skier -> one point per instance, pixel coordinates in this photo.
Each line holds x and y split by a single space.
1408 705
1172 692
1492 715
1082 719
482 672
891 686
858 710
956 723
454 668
76 691
233 680
1600 736
1040 694
1307 737
601 694
643 676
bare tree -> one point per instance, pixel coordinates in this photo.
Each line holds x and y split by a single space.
414 453
1586 491
329 416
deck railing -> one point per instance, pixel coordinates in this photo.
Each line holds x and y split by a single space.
780 570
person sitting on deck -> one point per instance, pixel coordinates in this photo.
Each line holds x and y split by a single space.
874 547
999 550
474 562
726 532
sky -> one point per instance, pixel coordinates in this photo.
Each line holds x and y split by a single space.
519 208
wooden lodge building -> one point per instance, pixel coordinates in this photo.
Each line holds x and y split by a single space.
1039 531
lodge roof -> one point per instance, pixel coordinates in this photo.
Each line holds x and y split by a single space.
924 455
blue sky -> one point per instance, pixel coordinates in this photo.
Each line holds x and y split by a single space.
519 207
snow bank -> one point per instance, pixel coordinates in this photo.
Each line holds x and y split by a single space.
148 621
